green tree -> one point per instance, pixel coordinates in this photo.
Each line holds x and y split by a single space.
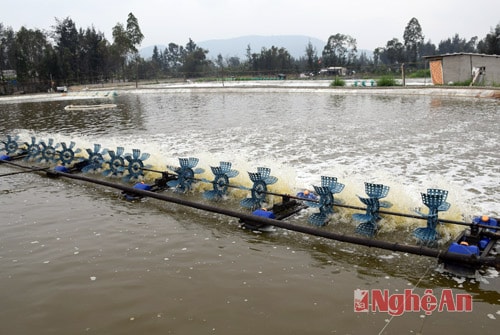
31 46
428 49
7 54
413 40
249 53
491 43
67 45
173 58
340 50
156 62
194 59
457 44
395 52
7 48
134 34
94 52
119 49
125 42
135 38
311 57
233 62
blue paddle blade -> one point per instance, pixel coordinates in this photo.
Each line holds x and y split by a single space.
332 184
368 225
185 174
426 234
225 168
325 205
220 186
377 191
190 162
173 183
249 203
318 219
363 218
95 159
265 175
33 149
258 195
435 200
48 151
67 154
220 183
260 180
10 145
116 162
135 165
367 228
313 204
385 204
211 195
444 207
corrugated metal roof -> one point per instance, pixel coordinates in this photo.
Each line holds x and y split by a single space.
461 54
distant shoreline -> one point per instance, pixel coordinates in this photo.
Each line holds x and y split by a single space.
108 91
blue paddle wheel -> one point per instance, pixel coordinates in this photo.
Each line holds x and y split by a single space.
67 154
116 162
220 183
329 187
135 167
368 222
95 159
33 149
185 174
435 200
48 151
261 179
11 146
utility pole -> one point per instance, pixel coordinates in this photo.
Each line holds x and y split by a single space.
403 74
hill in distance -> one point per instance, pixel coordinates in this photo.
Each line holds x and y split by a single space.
237 47
294 44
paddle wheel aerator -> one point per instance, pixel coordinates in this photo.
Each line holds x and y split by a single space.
33 149
67 154
329 187
220 183
368 221
261 179
116 162
135 167
10 145
48 151
435 200
185 174
95 159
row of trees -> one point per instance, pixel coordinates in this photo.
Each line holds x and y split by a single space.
67 55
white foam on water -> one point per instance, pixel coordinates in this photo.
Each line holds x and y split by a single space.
355 147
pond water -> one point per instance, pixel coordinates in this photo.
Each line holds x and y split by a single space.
76 258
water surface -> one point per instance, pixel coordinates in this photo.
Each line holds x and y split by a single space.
76 258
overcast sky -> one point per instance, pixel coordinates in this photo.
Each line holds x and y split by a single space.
371 22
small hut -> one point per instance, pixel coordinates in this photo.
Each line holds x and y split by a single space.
479 69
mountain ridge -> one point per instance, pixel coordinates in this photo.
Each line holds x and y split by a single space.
237 46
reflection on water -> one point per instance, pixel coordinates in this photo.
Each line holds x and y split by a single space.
154 267
50 117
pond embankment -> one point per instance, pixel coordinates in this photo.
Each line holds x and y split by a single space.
415 87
